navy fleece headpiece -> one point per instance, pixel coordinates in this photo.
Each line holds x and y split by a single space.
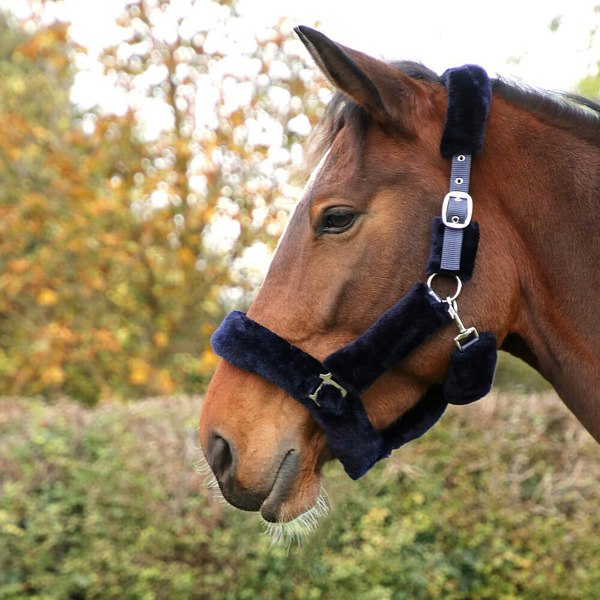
469 99
331 390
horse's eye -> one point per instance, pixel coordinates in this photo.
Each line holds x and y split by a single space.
337 220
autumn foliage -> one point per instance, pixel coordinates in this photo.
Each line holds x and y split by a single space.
125 238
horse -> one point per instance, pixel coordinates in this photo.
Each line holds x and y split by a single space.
359 238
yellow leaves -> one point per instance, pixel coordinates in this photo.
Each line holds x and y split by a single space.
103 340
164 382
186 257
376 516
16 84
47 42
141 374
371 529
18 266
10 529
46 297
52 375
208 362
110 239
206 330
161 339
103 291
418 498
59 333
75 245
139 371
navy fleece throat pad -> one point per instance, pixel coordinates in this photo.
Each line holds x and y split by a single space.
331 390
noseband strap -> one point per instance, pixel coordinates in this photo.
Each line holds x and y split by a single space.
331 390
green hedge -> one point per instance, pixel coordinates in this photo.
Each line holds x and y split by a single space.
500 500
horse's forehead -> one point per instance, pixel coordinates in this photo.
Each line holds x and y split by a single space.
351 173
340 170
315 176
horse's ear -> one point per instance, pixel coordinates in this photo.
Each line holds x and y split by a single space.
385 92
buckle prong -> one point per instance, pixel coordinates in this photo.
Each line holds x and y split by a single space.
455 221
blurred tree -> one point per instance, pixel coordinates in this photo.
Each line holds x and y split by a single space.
214 179
59 331
125 238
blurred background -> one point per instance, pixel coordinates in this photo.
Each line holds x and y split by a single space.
150 154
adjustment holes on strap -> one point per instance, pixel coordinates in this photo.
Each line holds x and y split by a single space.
459 181
460 158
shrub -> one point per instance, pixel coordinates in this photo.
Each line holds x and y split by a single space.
498 501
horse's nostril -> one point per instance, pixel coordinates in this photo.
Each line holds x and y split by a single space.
220 458
275 483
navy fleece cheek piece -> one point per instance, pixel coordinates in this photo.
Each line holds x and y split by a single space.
468 252
388 341
465 384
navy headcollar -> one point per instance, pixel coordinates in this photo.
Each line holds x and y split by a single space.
332 390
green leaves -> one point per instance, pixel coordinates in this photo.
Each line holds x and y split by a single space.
498 501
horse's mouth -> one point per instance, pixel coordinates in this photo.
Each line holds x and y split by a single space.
283 485
290 516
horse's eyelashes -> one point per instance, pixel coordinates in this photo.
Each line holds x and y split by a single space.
337 220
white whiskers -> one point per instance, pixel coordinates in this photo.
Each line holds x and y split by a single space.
299 529
201 466
295 531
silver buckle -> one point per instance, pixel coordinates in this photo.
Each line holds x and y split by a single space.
455 222
327 379
466 338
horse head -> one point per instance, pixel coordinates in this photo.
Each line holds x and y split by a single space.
356 243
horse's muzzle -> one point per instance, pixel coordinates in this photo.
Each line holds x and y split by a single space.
268 497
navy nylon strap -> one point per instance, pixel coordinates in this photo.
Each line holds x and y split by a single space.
457 212
469 98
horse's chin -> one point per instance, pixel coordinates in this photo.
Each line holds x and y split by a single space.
296 519
295 506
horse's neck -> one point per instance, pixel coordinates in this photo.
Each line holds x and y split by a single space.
555 214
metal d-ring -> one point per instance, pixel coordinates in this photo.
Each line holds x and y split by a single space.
449 298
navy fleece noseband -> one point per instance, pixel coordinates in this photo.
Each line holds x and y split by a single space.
332 390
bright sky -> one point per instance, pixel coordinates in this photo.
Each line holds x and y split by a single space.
508 37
